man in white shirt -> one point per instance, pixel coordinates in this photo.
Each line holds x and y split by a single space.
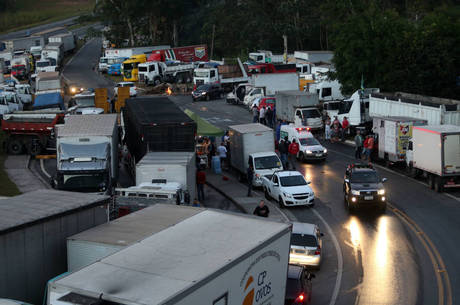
262 115
222 152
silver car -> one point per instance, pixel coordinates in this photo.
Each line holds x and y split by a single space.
306 245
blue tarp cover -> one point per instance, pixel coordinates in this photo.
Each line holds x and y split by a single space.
48 100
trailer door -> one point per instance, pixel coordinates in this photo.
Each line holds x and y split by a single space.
451 154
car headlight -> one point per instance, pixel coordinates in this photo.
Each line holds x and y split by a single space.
287 195
73 89
309 152
325 151
203 93
381 192
356 193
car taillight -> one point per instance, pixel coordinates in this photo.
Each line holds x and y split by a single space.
318 251
300 299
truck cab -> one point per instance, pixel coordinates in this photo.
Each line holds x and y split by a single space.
308 117
264 165
36 51
84 103
10 101
253 93
152 72
309 147
131 69
159 191
203 76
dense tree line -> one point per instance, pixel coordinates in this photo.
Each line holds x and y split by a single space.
395 45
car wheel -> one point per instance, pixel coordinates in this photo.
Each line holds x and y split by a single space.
267 195
302 157
281 202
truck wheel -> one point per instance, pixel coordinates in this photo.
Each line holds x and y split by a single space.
431 181
157 81
281 202
267 195
438 185
15 147
34 148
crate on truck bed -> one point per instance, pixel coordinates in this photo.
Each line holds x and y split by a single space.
157 124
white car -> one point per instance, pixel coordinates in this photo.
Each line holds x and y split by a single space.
306 245
289 188
132 88
309 147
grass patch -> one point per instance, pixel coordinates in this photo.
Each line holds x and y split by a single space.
27 13
7 187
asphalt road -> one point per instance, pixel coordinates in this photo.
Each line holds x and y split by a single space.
39 28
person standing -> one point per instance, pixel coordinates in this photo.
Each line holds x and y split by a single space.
327 128
345 128
255 114
250 177
200 182
261 210
365 144
283 149
262 116
269 117
293 150
358 145
370 147
222 151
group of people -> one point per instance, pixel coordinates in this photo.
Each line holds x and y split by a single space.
288 152
364 147
336 130
265 116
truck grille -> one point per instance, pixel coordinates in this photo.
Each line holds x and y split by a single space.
199 82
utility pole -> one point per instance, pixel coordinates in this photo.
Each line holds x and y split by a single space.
212 40
285 55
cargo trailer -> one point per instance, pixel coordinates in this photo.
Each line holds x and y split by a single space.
211 257
299 108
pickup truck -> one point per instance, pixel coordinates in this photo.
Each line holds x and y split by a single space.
289 188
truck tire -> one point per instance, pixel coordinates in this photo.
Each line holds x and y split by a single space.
438 185
15 147
431 181
156 81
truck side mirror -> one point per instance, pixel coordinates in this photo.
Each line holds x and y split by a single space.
384 180
347 180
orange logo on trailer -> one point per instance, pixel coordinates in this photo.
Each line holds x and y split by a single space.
249 298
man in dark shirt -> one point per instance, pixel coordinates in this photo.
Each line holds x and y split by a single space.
200 182
262 210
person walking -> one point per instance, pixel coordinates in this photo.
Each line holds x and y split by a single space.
261 210
250 177
283 149
200 182
358 145
222 151
255 114
293 150
365 144
269 117
262 116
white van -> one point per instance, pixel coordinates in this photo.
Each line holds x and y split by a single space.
309 147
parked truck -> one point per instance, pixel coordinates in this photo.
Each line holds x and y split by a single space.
394 135
67 40
183 54
273 82
20 67
299 108
24 43
128 52
54 52
262 56
253 144
183 261
48 91
436 111
32 131
434 154
87 153
157 124
228 75
157 72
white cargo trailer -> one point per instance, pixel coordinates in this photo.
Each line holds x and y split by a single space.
394 135
273 82
435 153
436 111
211 257
253 144
299 108
67 40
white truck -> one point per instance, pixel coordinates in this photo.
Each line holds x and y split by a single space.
253 144
87 153
47 81
355 108
299 108
289 188
167 176
157 72
44 65
210 257
326 88
238 94
434 153
36 51
54 53
262 56
436 111
67 40
228 75
394 135
274 82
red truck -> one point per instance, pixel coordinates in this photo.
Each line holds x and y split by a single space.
271 68
184 54
30 130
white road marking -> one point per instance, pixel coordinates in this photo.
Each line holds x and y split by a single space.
394 172
42 166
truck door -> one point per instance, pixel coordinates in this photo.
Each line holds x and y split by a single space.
212 76
298 118
276 187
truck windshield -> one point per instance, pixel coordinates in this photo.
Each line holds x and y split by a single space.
84 183
311 113
292 180
128 67
308 141
42 64
364 177
142 69
201 73
267 162
87 101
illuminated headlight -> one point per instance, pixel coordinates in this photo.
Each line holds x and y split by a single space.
353 199
325 151
356 193
203 93
287 195
309 152
383 198
381 192
82 89
73 89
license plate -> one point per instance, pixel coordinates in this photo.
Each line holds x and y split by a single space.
319 155
368 197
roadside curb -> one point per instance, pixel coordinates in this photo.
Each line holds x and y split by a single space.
37 175
239 206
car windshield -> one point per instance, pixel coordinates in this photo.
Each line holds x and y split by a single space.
293 288
303 240
364 177
203 87
85 101
311 113
308 141
268 162
201 73
292 180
